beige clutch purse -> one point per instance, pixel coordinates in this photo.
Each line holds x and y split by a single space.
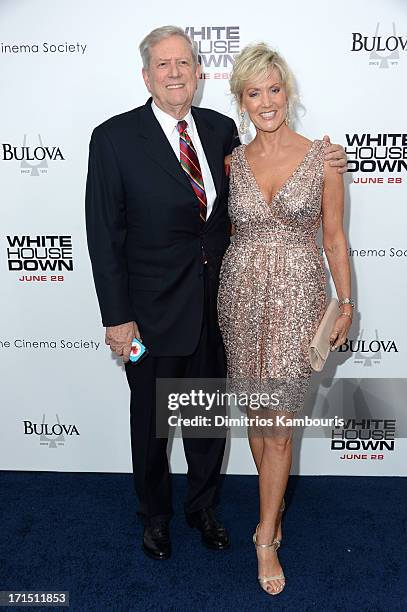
320 346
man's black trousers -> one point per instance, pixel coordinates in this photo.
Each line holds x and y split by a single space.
149 453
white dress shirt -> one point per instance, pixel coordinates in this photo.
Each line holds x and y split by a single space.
169 127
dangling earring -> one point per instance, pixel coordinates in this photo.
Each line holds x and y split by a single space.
244 126
287 116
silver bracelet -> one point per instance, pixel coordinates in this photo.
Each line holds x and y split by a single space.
347 301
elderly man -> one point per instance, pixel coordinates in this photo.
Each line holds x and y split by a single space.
157 224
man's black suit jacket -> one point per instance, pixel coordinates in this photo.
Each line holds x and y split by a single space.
145 238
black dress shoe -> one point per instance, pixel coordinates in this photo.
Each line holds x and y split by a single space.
214 534
156 540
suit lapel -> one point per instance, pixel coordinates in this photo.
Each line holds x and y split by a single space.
158 148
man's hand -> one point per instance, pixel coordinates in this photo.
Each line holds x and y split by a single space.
336 156
119 338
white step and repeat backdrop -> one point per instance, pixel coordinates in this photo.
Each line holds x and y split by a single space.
65 67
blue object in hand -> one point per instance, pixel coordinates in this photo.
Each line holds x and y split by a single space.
138 351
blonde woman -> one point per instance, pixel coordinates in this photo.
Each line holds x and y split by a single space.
272 285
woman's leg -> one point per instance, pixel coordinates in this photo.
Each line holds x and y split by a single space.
256 446
256 442
274 470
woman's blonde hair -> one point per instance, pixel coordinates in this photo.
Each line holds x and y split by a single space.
256 61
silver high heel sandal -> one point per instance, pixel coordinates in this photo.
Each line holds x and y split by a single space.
264 579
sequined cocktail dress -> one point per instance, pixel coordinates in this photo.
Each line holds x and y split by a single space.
272 283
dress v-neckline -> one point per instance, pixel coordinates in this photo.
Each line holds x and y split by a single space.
286 182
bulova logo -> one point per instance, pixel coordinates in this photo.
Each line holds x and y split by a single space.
34 159
368 352
51 435
384 49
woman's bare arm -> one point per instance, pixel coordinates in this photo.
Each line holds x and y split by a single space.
336 248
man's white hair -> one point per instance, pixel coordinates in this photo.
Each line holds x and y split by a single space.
155 36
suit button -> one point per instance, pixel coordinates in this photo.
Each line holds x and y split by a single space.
204 260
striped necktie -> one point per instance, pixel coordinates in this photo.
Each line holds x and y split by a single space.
190 163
